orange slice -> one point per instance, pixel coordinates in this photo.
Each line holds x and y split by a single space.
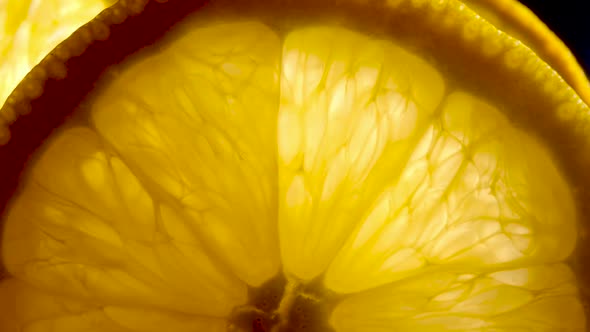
292 166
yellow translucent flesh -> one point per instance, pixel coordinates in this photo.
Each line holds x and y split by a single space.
539 298
468 196
232 154
347 113
29 29
199 126
378 172
44 312
144 206
87 227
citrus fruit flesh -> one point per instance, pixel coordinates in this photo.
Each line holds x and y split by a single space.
29 29
254 175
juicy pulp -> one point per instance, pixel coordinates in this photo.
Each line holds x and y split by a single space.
324 153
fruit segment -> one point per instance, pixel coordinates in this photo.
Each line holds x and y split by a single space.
34 311
476 192
379 174
352 109
86 227
539 298
197 122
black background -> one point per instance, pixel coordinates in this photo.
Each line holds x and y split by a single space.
570 20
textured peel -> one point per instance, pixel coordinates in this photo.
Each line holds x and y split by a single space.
30 29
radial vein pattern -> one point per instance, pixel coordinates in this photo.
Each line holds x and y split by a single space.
327 153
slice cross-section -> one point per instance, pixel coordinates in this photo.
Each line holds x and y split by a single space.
258 169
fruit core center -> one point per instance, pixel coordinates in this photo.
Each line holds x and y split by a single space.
283 305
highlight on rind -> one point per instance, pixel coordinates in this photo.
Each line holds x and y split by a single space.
544 42
54 65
